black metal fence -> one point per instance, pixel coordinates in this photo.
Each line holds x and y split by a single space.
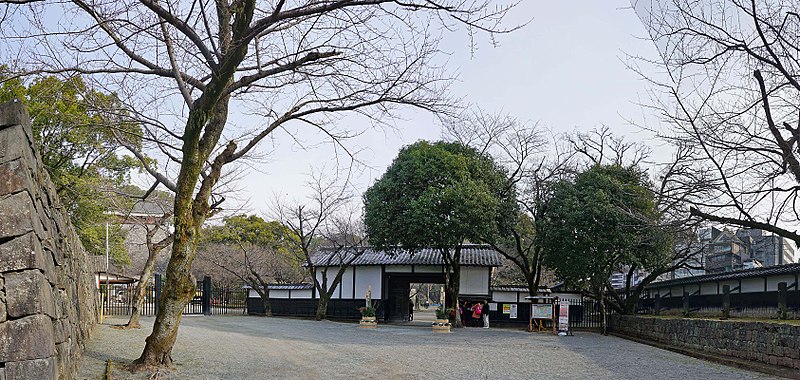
231 301
583 313
207 300
782 304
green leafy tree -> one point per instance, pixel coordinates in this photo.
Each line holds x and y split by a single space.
72 128
439 195
604 220
254 252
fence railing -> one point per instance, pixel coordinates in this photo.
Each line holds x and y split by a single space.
208 299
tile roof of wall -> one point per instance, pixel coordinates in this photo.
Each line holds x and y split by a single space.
734 275
471 255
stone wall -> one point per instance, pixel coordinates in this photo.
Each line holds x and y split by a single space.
766 342
48 300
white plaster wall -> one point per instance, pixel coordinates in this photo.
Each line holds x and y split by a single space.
367 276
278 294
504 296
750 285
347 283
305 293
772 282
428 269
331 274
732 283
398 268
474 280
708 288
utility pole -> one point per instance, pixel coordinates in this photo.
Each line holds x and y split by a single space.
108 291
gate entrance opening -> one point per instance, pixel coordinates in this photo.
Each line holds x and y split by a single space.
401 287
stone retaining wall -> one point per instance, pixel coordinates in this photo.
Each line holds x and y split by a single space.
48 300
771 343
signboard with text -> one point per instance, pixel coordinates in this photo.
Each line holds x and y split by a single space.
506 308
563 315
513 311
542 311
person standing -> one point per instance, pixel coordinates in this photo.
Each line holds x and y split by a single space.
485 314
476 312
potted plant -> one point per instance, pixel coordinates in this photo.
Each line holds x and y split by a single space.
368 320
442 322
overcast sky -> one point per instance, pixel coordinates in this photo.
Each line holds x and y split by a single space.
565 69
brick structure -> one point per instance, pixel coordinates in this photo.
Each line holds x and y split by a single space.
48 300
766 342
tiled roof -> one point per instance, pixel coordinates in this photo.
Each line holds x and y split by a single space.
290 286
471 255
285 286
517 288
735 275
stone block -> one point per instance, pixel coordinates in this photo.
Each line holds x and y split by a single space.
14 177
17 216
27 293
27 338
22 252
38 369
13 112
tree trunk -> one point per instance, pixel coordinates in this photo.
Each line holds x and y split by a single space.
179 286
452 287
177 292
603 322
265 302
322 306
533 284
141 289
190 213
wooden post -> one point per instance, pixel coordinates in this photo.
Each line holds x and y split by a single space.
207 295
685 304
782 311
657 307
726 301
157 279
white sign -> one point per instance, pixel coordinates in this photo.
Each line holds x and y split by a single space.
513 313
492 306
563 315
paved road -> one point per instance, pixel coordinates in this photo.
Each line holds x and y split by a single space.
220 347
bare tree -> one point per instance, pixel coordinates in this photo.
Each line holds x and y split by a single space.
329 236
730 103
147 220
533 166
255 265
184 67
154 247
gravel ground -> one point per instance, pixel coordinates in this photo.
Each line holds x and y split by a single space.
220 347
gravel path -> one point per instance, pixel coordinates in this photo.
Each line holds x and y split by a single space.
221 347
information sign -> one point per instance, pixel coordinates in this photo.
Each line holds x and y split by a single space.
563 315
542 311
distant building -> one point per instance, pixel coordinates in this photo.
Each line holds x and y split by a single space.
618 278
769 249
136 222
725 252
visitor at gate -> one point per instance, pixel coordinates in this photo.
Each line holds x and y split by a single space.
466 317
476 312
485 312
